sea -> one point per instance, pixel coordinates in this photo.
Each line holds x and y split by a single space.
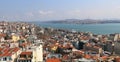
107 28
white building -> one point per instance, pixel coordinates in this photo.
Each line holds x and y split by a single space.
9 54
38 52
37 49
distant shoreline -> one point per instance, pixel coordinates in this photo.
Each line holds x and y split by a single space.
79 21
106 28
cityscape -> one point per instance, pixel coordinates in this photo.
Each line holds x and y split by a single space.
26 42
60 31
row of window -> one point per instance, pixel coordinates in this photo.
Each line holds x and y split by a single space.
5 59
24 61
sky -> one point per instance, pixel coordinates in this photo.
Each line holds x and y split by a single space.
45 10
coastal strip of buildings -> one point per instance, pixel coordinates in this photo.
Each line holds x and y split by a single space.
27 42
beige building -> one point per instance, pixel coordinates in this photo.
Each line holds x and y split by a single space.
38 53
9 54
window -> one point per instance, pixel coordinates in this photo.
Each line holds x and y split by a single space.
5 59
20 61
10 58
29 61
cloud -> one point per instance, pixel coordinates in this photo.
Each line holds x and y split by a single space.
66 14
94 13
30 14
74 13
45 13
38 15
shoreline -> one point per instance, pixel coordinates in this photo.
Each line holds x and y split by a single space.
102 30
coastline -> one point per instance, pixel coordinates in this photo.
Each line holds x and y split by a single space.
109 28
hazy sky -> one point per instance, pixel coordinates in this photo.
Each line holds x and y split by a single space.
31 10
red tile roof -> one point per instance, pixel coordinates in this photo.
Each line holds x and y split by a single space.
117 59
7 51
53 60
26 53
2 35
1 49
65 57
87 56
104 57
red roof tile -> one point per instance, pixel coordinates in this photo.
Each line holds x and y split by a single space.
26 53
87 56
7 51
117 59
104 57
53 60
2 35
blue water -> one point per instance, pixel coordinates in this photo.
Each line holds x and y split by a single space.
109 28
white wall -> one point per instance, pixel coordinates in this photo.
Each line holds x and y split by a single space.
38 54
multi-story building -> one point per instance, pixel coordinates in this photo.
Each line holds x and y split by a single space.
25 57
9 54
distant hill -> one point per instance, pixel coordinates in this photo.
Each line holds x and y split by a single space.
85 21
